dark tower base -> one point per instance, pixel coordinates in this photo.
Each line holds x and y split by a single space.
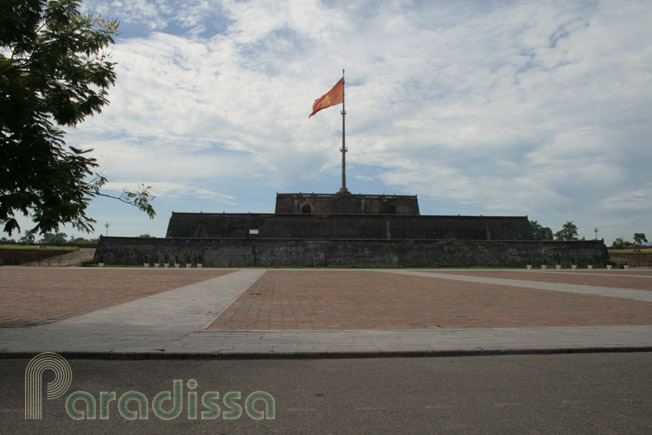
321 230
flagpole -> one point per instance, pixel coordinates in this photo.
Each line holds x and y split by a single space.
344 150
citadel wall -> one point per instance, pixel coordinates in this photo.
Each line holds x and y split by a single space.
352 252
312 226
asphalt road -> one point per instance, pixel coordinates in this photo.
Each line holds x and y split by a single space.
570 393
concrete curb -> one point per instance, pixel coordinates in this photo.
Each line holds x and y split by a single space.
219 355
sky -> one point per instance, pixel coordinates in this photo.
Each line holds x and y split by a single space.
537 108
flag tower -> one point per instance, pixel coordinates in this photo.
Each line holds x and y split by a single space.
343 189
331 98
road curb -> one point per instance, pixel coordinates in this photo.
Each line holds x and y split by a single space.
235 355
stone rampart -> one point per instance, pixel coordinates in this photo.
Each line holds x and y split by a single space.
387 227
351 252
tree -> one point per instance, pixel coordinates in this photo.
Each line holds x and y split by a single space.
639 239
54 72
568 232
620 243
81 240
28 237
53 239
540 232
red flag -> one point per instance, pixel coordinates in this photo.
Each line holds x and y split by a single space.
331 98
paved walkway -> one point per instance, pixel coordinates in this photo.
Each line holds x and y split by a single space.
34 296
283 312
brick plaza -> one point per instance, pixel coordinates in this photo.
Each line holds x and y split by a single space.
305 299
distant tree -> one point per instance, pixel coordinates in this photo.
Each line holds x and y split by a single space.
568 232
639 239
620 243
54 72
6 240
81 240
540 232
28 237
53 239
146 236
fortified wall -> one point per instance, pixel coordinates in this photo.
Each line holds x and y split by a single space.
347 216
352 252
386 227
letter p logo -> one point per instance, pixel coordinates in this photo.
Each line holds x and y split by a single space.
34 377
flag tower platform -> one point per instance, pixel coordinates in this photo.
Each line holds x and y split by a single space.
345 229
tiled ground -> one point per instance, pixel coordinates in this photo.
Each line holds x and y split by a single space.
616 279
37 295
335 299
295 299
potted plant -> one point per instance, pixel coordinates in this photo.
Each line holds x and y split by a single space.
558 264
609 265
529 263
166 256
100 259
626 266
188 261
590 266
200 261
146 260
574 263
156 260
544 264
176 261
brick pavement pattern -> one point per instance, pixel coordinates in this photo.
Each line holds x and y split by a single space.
595 278
36 295
331 300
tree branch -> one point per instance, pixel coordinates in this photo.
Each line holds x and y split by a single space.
140 199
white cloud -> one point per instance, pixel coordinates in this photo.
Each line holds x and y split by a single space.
173 190
633 201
